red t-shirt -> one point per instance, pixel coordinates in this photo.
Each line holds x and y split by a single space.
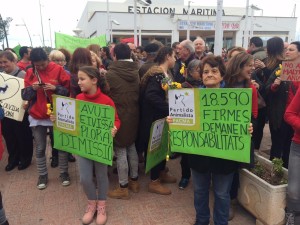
23 65
103 99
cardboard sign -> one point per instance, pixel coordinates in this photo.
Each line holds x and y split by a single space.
290 71
84 128
10 96
158 144
224 116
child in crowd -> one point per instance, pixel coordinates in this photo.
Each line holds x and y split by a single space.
92 86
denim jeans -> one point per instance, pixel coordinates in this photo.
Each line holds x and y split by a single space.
293 189
221 187
127 156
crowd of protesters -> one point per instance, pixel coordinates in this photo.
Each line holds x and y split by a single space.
129 78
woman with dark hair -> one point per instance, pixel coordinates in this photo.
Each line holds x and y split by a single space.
81 57
279 93
106 57
238 75
17 134
41 82
154 106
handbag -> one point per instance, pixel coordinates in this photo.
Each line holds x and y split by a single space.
261 101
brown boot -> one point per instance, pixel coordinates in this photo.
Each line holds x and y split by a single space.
119 193
89 212
134 186
101 213
156 187
166 178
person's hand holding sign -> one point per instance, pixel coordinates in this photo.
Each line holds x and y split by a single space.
169 119
277 81
114 130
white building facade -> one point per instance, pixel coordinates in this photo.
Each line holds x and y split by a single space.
169 20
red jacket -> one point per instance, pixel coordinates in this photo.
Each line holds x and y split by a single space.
53 74
292 116
100 98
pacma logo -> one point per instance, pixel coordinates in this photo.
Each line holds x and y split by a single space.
3 89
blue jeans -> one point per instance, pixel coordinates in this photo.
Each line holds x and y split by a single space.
221 186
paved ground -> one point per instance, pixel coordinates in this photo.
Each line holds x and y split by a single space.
57 205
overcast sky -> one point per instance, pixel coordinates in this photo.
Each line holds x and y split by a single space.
63 15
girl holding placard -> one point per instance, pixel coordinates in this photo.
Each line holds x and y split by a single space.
92 86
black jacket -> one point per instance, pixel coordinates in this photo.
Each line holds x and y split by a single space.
277 100
153 105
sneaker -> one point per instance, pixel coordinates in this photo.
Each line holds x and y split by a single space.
183 183
54 161
42 182
65 179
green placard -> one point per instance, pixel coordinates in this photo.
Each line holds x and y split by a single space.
83 128
71 43
158 144
17 49
224 115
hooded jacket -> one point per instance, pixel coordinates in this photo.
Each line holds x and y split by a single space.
53 74
123 80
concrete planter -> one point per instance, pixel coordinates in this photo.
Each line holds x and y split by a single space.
264 201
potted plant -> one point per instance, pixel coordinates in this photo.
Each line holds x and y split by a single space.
263 200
